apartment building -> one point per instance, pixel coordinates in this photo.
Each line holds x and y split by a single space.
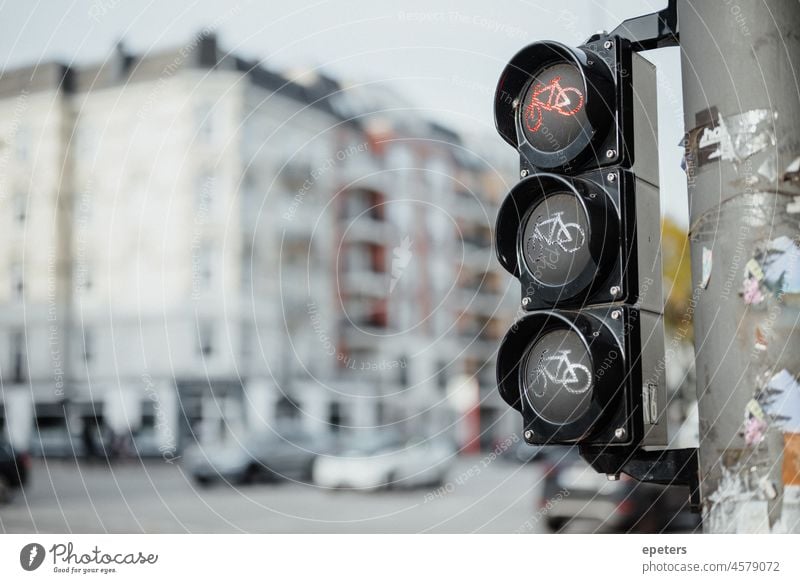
198 246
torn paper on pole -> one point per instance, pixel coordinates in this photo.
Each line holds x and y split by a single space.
784 403
733 138
781 265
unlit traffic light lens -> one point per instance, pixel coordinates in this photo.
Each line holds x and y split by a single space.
554 240
557 377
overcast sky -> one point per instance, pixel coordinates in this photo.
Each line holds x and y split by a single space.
443 56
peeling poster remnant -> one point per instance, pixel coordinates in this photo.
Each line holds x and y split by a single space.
754 431
762 340
733 138
792 172
728 501
774 270
751 291
707 258
782 266
784 403
755 423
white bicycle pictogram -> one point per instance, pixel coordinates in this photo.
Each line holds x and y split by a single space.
557 368
554 231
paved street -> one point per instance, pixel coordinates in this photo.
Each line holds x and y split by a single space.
154 496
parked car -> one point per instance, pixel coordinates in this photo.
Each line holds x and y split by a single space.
14 470
384 460
257 457
56 442
576 497
146 444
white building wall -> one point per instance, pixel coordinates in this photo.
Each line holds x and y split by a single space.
211 213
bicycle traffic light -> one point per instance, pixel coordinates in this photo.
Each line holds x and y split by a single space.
564 108
572 241
574 376
581 232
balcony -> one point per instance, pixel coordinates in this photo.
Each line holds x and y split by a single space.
480 302
365 229
472 210
364 283
479 258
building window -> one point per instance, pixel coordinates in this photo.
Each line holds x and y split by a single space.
83 206
19 364
441 375
205 190
20 206
380 414
249 179
287 409
247 266
204 117
204 270
83 276
88 346
17 280
336 416
246 348
404 372
205 343
22 142
148 416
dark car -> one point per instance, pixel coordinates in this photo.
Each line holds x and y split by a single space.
14 469
578 499
257 457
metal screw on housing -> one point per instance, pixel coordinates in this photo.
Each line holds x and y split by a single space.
526 301
612 477
523 173
615 290
611 177
615 315
608 44
528 435
610 153
620 433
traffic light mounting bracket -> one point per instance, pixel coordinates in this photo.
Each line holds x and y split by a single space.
670 467
649 31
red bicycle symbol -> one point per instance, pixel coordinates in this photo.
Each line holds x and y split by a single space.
551 97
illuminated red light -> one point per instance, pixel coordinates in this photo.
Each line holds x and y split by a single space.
566 101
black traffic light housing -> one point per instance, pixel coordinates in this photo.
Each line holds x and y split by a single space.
585 364
581 231
575 376
586 90
589 257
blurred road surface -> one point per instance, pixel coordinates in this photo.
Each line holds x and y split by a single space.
157 497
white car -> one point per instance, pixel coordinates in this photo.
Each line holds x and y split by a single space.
383 461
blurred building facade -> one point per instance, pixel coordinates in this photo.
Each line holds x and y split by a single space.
197 246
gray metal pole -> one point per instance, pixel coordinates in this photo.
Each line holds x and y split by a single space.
741 92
